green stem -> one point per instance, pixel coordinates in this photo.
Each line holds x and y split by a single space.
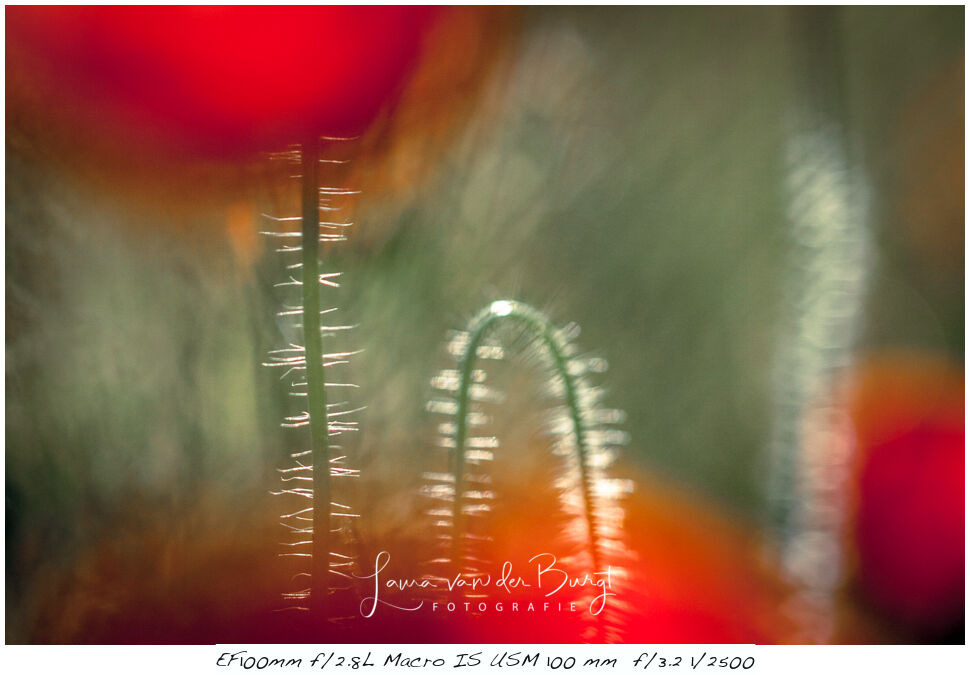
316 387
539 326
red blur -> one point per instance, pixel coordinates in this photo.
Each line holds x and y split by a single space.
218 80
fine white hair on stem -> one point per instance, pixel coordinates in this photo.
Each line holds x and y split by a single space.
320 532
582 435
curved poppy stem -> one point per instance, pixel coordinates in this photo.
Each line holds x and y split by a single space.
539 326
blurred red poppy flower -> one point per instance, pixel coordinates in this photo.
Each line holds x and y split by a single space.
220 80
909 524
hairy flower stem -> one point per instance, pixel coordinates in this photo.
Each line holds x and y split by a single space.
812 442
537 325
316 387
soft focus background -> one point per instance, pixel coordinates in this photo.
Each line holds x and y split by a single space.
620 168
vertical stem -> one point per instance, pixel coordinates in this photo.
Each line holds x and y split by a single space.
582 450
812 441
316 388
